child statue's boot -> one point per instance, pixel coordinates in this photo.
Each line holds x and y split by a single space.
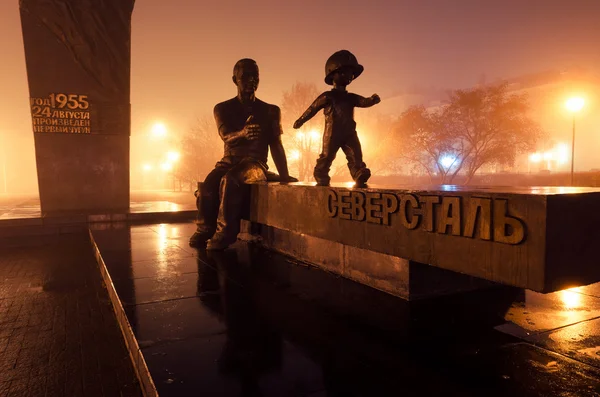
362 176
322 177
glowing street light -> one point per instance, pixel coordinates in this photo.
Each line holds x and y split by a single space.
173 156
535 157
447 161
548 156
562 150
166 167
159 130
574 105
294 155
147 167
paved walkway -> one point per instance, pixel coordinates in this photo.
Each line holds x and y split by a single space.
248 322
58 333
28 206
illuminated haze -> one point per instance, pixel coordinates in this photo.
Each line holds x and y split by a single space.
183 52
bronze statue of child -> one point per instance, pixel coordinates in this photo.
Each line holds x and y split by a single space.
340 128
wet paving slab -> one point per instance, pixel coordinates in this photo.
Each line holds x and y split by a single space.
58 331
580 341
22 209
247 322
537 313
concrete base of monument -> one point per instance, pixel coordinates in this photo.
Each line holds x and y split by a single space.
397 276
540 239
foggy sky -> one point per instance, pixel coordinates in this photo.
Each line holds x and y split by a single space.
183 54
183 50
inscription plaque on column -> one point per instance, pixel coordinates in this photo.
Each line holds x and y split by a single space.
78 60
61 113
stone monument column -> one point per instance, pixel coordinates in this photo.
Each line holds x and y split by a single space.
78 57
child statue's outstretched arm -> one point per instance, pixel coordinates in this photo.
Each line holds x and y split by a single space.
362 102
317 105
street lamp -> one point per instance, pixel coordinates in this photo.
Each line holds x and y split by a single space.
173 156
574 105
172 159
562 151
159 130
447 161
314 135
294 155
548 156
533 158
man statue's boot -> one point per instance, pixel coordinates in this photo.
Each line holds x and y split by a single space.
200 237
206 219
230 214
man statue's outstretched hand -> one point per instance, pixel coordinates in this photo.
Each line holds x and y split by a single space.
375 98
298 124
251 131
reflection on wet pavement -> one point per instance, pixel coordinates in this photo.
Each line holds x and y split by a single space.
543 312
246 322
14 207
160 206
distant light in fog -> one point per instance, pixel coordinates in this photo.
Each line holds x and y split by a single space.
447 161
548 156
300 135
173 156
166 167
562 151
575 104
159 130
147 167
294 155
314 134
535 157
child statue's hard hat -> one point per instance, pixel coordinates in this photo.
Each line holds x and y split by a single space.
337 61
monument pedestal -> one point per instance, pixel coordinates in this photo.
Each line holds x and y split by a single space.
541 239
86 174
78 69
400 277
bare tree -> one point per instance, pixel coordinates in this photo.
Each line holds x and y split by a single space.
201 148
481 126
303 145
375 132
493 125
426 143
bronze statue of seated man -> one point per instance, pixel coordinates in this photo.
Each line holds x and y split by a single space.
249 127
